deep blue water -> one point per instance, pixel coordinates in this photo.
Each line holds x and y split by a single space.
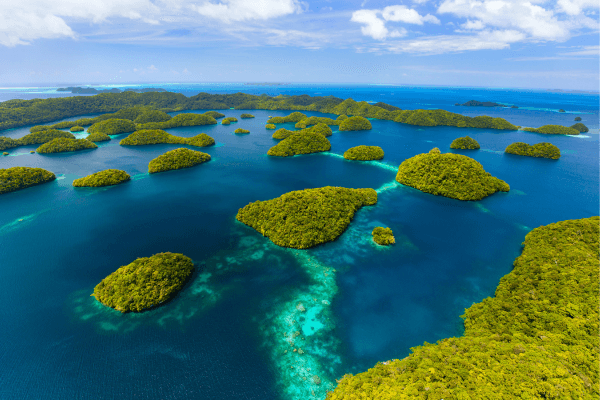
222 337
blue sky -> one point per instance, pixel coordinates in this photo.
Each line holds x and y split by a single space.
491 43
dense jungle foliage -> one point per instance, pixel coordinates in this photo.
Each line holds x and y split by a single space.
305 218
17 178
177 159
465 143
544 150
553 130
246 116
152 116
215 114
77 128
383 236
44 137
145 283
241 130
536 339
180 120
303 123
355 124
577 118
364 153
293 117
270 126
450 175
108 177
8 143
157 136
98 137
300 143
229 120
112 126
581 128
62 145
320 128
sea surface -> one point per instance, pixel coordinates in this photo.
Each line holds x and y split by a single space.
237 328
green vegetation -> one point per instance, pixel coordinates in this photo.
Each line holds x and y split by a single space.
180 120
283 133
320 128
355 124
5 153
158 136
383 236
113 126
450 175
77 128
577 118
553 130
246 116
214 114
229 120
17 178
364 153
8 143
544 150
305 218
152 116
62 145
98 137
465 143
561 110
293 117
316 120
536 339
270 126
145 283
108 177
581 128
300 143
44 137
177 159
240 130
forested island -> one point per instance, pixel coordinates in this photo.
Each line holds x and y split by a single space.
364 153
465 143
320 128
98 137
63 145
553 130
34 138
475 103
383 236
449 175
241 131
113 126
537 338
177 159
17 178
305 218
543 150
356 123
157 136
300 143
145 283
108 177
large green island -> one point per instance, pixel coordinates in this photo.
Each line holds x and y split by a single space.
177 159
108 177
64 145
145 283
17 178
158 136
300 143
543 150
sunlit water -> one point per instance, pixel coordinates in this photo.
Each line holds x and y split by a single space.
231 333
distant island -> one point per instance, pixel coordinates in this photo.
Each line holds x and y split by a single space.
542 150
108 177
475 103
89 90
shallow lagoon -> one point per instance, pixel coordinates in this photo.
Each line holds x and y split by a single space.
228 333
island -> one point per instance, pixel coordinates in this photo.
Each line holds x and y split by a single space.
449 175
246 116
145 283
229 120
383 236
17 178
63 145
355 123
98 137
293 117
561 110
214 114
42 137
577 118
240 130
270 126
157 136
8 143
305 218
540 327
152 116
108 177
543 150
320 128
113 126
5 153
186 119
475 103
77 128
300 143
553 130
303 123
581 128
465 143
177 159
364 153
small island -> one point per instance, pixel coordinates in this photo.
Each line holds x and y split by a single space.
8 143
581 128
577 118
542 150
177 159
561 110
305 218
64 145
145 283
229 120
98 137
112 126
77 128
214 114
246 116
157 136
17 178
475 103
364 153
293 117
320 128
317 120
108 177
300 143
270 126
553 130
383 236
152 116
44 136
355 123
240 131
465 143
449 175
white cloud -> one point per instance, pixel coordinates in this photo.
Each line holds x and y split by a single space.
375 27
584 51
242 10
473 25
574 7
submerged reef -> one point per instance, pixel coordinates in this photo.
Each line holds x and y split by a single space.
108 177
98 137
300 143
145 283
364 153
465 143
355 123
543 150
17 178
158 136
113 126
62 145
581 128
177 159
450 175
537 338
553 130
383 236
305 218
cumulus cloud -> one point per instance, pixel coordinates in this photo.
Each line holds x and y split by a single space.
575 7
242 10
375 26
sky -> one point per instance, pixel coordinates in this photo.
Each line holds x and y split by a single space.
477 43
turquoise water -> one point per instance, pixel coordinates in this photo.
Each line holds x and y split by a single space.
231 333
